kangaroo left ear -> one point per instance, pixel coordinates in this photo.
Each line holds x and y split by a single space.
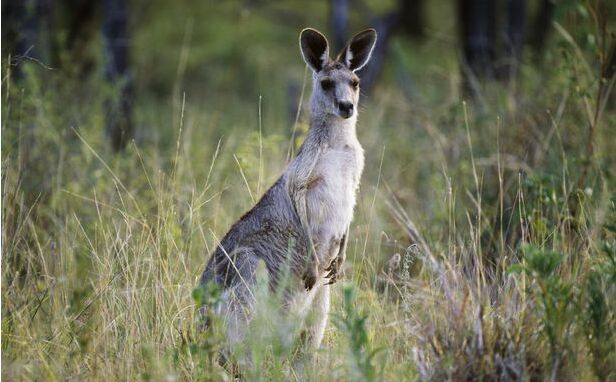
356 53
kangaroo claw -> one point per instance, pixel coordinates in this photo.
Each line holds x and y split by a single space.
335 271
332 279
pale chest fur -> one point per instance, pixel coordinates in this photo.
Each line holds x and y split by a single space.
332 195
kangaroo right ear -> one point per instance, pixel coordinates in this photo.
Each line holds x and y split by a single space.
314 48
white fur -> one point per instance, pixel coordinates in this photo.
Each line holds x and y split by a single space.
325 57
332 200
330 205
348 57
333 167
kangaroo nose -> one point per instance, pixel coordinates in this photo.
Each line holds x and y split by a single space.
346 109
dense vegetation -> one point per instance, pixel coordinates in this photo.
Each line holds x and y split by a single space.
483 245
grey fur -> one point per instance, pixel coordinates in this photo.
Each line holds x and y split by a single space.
302 222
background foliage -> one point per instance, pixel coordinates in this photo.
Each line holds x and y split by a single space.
483 245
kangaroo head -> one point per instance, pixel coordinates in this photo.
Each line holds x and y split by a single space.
336 86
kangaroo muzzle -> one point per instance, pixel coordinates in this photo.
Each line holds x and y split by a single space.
345 109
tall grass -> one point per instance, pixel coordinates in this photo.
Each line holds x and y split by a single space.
475 253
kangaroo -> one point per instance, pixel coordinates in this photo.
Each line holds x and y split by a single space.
301 224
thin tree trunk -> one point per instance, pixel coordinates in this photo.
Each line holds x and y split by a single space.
384 27
119 107
514 39
340 24
412 17
407 19
542 26
477 20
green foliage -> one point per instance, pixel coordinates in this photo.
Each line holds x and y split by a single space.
360 362
539 263
101 253
207 295
554 296
599 320
599 327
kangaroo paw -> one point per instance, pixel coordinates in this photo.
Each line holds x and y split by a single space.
335 270
310 277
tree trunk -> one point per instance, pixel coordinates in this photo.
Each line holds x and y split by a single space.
384 27
477 21
340 24
514 40
542 26
412 17
21 32
119 107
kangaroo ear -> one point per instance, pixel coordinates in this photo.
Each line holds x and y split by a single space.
358 50
314 48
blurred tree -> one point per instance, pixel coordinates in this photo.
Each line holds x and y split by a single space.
77 22
27 31
407 19
21 35
412 18
541 26
610 72
340 24
513 40
477 22
481 58
115 32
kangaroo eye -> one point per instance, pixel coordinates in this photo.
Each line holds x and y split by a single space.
327 84
355 83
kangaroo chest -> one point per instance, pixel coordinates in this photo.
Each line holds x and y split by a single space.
332 195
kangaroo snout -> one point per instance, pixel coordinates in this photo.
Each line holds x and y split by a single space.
345 109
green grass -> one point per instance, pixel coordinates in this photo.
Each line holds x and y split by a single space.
476 252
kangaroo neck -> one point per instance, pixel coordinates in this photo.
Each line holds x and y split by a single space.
331 130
